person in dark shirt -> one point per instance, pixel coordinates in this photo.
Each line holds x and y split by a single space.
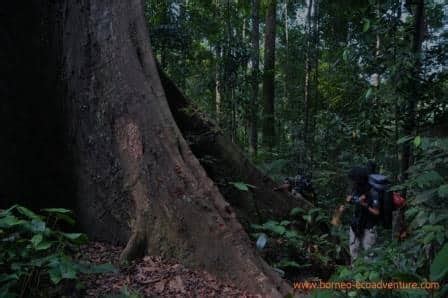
366 203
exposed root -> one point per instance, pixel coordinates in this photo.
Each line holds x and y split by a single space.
135 248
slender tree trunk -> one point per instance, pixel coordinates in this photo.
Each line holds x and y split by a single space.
313 108
255 58
413 97
135 178
307 85
269 76
398 5
218 85
375 83
286 75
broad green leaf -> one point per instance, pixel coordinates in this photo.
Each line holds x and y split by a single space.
424 196
374 276
57 210
369 93
55 275
443 292
8 277
420 219
43 245
404 140
62 214
68 270
78 238
9 221
439 266
62 268
366 25
417 141
285 222
242 186
443 191
296 211
275 227
8 211
28 213
291 234
37 239
429 178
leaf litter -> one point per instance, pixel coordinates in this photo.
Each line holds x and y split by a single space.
151 276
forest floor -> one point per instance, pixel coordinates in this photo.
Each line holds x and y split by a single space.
150 277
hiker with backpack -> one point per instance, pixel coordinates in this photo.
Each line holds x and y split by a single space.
374 205
366 212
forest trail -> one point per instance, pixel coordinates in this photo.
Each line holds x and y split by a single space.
152 276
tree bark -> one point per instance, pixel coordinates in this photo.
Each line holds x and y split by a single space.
269 76
135 179
255 58
413 97
307 84
225 162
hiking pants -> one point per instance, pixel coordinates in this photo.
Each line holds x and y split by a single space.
367 240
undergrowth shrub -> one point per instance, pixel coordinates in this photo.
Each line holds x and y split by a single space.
35 253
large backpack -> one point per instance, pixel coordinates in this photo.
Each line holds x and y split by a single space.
381 185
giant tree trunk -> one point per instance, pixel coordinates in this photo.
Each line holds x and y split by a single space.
135 178
269 76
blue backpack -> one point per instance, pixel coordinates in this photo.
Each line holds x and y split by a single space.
381 185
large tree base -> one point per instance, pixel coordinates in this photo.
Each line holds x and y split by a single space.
130 173
225 162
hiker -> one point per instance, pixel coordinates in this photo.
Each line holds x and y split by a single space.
366 213
298 186
393 213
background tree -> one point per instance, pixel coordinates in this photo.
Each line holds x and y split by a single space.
269 75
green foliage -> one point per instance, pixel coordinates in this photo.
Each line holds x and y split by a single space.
242 186
439 267
298 242
347 119
35 254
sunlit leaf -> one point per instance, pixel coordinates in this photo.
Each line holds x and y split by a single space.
242 186
417 141
366 25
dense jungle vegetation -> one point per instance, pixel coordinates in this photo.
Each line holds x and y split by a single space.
351 81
